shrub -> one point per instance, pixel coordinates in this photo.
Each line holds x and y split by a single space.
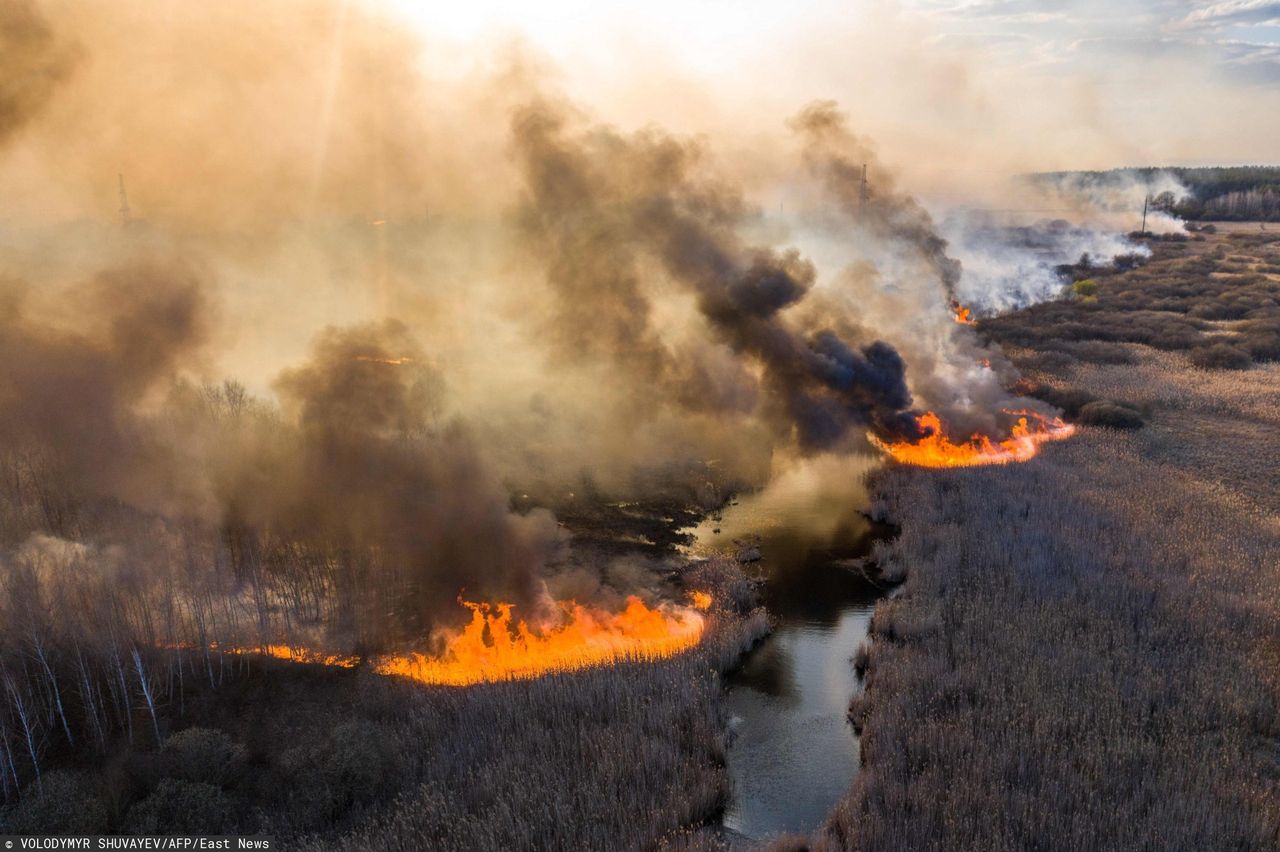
361 764
1086 288
204 755
183 807
355 765
1069 399
65 802
1110 414
1262 345
1220 356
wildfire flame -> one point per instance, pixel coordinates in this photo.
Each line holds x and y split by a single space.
937 450
963 315
494 647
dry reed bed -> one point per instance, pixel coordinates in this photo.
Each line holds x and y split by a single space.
1086 652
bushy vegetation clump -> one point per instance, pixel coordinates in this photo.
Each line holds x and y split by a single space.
1218 303
63 801
1110 414
1220 356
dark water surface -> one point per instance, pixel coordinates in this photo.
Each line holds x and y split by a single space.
794 753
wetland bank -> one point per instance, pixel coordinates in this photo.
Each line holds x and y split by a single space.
365 368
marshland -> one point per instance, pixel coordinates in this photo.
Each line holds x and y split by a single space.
601 428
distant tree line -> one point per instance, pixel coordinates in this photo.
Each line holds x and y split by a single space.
1227 193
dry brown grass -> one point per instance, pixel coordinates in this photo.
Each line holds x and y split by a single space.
1086 653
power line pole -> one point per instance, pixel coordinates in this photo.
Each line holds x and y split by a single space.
863 191
124 204
1145 201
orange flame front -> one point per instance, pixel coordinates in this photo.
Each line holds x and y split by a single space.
963 315
494 647
937 450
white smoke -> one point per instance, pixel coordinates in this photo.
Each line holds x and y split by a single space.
1114 199
1009 266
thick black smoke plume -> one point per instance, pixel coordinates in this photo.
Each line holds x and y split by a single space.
357 488
615 214
374 472
69 396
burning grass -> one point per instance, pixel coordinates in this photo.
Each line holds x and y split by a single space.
326 756
495 647
937 449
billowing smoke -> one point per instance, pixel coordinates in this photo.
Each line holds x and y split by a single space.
1115 199
581 312
34 61
838 158
376 472
1009 266
359 461
73 383
603 204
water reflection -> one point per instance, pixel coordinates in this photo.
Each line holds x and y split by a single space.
794 753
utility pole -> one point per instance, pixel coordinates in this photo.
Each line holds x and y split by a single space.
1145 201
863 192
124 204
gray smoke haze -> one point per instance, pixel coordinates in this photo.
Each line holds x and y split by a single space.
1113 199
439 293
357 461
602 203
34 62
71 392
837 157
1010 266
375 472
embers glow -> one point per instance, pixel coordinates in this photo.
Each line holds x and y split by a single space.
494 646
938 450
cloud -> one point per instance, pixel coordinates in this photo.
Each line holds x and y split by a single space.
1234 12
1240 61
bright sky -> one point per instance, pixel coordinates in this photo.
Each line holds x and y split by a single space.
1235 36
1135 80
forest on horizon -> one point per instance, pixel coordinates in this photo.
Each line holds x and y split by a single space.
1224 193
